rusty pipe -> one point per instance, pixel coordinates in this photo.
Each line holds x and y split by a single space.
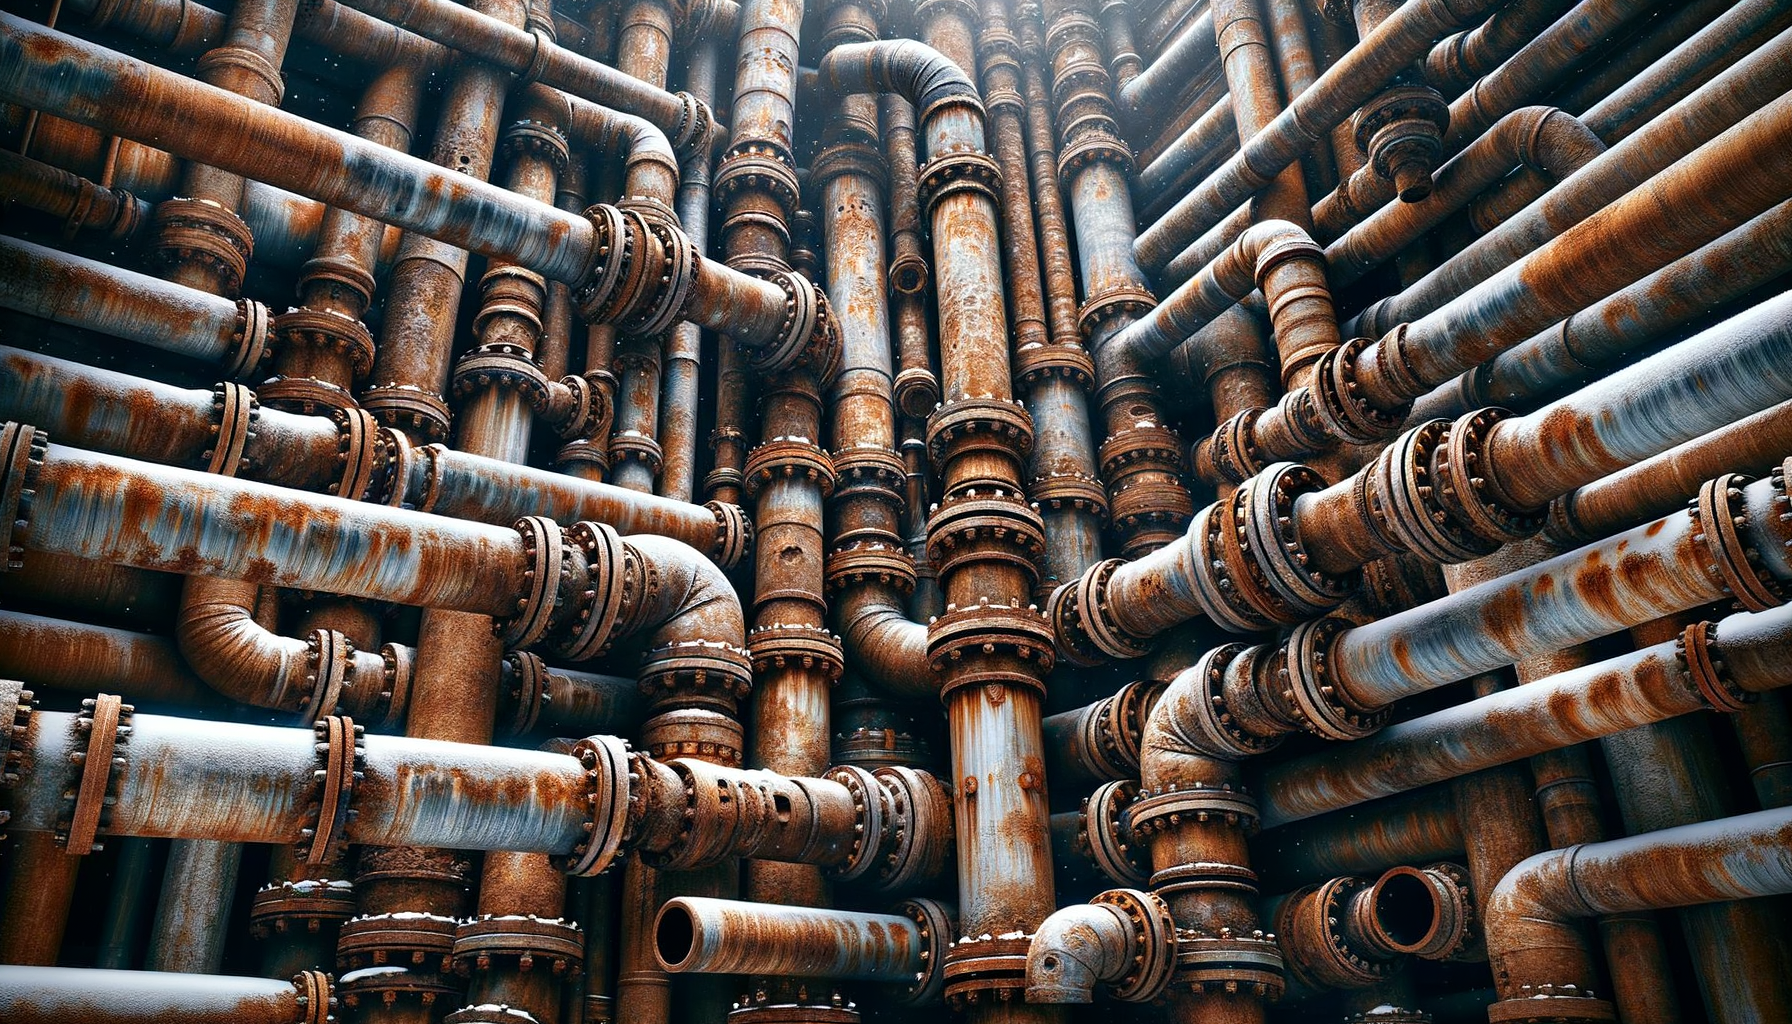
694 934
1182 60
1122 939
1532 914
1458 60
1649 685
1353 933
58 654
53 995
1403 37
1415 828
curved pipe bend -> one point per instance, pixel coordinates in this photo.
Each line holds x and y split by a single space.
649 161
889 648
1124 938
909 68
693 600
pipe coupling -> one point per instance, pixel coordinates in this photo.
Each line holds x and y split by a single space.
1105 837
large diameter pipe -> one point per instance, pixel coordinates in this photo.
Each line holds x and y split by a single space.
57 995
189 779
1631 690
1531 917
122 511
695 934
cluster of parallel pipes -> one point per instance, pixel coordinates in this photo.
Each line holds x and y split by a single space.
1213 511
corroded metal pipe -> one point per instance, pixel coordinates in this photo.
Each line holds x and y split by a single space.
53 995
696 934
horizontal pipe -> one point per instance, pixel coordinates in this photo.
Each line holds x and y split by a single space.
57 654
58 995
1625 692
1414 828
694 934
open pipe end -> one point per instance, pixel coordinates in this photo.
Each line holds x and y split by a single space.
675 934
1419 912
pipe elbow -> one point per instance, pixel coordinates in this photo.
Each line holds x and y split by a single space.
218 636
1552 141
1529 923
1268 243
650 161
1123 938
909 68
693 601
889 647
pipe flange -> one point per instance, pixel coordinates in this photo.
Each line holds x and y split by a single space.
249 347
597 286
15 724
538 139
1469 490
608 786
341 754
309 904
315 998
1313 694
1229 962
951 173
1318 952
329 331
871 826
734 533
1000 645
1720 514
691 731
358 451
418 990
1100 144
759 166
235 410
986 967
671 287
789 457
106 723
1035 363
575 405
1552 1004
1451 882
1338 400
760 1007
424 942
1085 614
1216 588
1201 876
982 423
1103 835
22 451
1159 811
1079 491
1266 504
981 527
220 61
936 922
422 414
582 451
522 941
601 601
502 367
1210 725
870 468
1235 455
634 446
1389 1014
694 669
342 273
329 667
1106 306
1708 673
1401 131
786 646
1153 943
1407 483
1251 578
400 664
528 677
395 462
544 562
204 232
867 563
1143 445
923 838
696 123
1119 724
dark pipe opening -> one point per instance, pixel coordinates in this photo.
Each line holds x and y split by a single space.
675 935
1405 908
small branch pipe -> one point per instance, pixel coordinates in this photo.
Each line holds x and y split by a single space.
1650 685
80 204
1183 60
187 28
56 995
1403 37
1459 60
1123 939
244 137
1531 917
694 934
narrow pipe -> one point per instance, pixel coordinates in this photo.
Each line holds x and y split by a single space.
694 934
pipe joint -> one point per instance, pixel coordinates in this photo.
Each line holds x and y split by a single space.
1123 938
